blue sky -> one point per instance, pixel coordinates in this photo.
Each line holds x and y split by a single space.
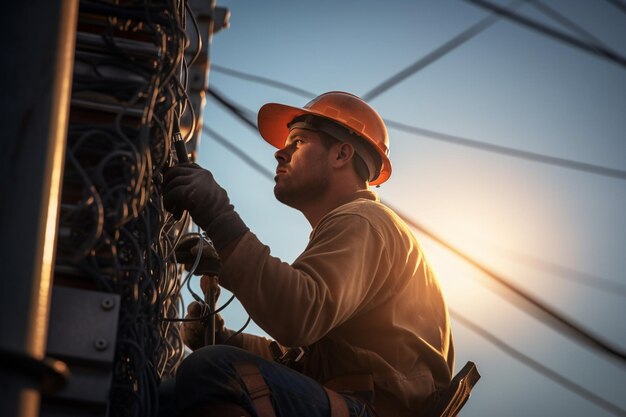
508 86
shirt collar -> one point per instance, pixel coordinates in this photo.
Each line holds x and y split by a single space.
367 194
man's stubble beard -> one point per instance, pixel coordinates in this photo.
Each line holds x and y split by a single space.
304 194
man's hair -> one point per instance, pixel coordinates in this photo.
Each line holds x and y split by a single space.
357 162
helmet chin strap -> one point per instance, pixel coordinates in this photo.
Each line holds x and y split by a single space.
370 158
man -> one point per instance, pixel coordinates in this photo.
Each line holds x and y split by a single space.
361 298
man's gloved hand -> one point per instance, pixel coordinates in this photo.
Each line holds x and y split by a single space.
193 332
187 253
189 187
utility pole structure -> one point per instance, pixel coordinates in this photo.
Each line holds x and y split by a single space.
36 83
66 277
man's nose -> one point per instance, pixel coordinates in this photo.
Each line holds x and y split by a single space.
282 155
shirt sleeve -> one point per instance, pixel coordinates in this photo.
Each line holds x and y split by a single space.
257 345
329 282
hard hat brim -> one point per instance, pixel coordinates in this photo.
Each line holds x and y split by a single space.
273 122
274 119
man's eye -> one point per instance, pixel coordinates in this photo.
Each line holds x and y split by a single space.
297 141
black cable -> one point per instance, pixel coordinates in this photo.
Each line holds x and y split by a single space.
538 367
192 270
238 332
197 30
457 140
207 315
516 153
226 304
555 34
183 96
431 57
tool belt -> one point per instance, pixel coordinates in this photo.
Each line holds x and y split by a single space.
260 393
291 357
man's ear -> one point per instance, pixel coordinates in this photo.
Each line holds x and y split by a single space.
344 153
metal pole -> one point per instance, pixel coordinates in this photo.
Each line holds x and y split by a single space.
36 76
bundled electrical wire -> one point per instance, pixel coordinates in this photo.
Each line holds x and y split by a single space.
129 88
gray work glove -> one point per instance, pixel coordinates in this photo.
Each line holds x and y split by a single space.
190 187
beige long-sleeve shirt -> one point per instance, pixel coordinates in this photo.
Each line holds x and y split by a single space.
361 296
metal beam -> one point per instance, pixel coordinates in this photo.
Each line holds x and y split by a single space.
36 73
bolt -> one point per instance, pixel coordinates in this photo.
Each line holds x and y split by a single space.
107 304
101 344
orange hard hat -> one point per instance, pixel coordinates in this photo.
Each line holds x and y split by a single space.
344 109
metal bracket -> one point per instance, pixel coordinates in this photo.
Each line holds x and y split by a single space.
82 332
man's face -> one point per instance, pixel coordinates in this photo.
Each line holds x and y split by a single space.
303 170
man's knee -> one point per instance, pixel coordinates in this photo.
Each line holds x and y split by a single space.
207 376
209 359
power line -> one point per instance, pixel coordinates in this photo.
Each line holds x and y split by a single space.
471 143
539 309
560 36
568 23
619 4
516 153
238 111
538 367
572 275
428 59
524 359
235 150
262 80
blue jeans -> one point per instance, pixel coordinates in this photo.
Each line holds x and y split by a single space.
207 376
